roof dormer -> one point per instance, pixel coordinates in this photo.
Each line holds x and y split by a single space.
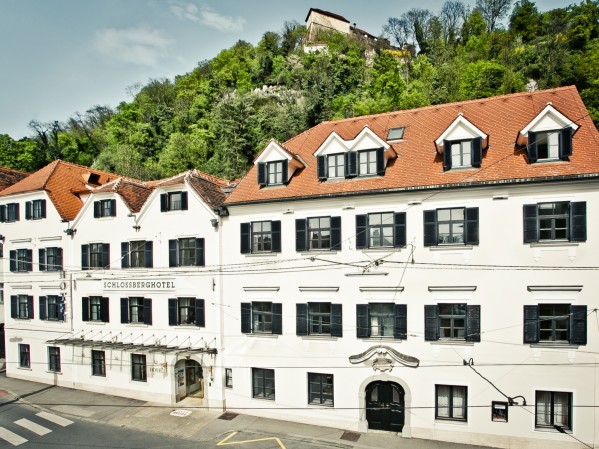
461 144
276 165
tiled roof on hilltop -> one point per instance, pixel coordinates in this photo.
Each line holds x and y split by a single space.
211 189
9 176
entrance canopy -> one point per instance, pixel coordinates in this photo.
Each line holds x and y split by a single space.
102 344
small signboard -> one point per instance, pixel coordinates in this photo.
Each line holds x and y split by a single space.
499 411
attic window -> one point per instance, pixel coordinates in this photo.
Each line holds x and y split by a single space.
93 178
396 133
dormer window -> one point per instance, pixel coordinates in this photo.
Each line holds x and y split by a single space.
461 144
272 173
367 163
461 153
335 165
173 201
550 145
276 165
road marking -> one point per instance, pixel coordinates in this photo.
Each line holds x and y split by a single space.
55 419
11 437
30 425
225 443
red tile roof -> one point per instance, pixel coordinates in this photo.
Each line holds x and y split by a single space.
9 176
134 193
418 164
211 189
326 13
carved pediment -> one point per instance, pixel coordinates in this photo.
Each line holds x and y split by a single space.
383 358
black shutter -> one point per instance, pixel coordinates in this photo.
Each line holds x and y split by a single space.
277 318
533 152
124 310
85 257
476 155
42 259
246 244
172 253
380 161
112 208
471 232
431 322
285 172
124 254
301 229
59 257
362 321
163 202
351 164
3 215
30 307
14 306
578 325
399 229
336 233
430 228
246 318
13 260
104 312
106 255
361 231
301 319
200 313
276 236
400 329
578 221
446 155
473 323
43 208
84 309
184 202
97 209
148 254
28 210
172 312
321 162
565 143
61 308
531 223
148 311
531 324
336 320
29 259
17 208
261 174
43 308
200 252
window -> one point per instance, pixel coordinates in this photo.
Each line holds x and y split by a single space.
136 310
24 358
138 254
138 367
263 383
95 255
381 320
455 226
228 378
335 165
51 308
272 173
21 307
381 230
186 252
54 359
95 308
319 318
559 221
261 237
351 164
9 213
1 292
452 322
104 208
396 133
555 324
318 233
183 311
35 210
550 145
50 259
261 318
98 363
553 408
451 402
173 201
320 389
462 153
367 162
21 260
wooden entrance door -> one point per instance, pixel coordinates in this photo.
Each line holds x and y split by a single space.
385 407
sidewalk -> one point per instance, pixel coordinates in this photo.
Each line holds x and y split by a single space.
200 425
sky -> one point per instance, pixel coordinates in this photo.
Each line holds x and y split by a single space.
60 57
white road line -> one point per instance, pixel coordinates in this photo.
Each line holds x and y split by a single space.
55 419
11 437
30 425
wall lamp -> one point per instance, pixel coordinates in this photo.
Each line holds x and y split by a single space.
137 228
70 231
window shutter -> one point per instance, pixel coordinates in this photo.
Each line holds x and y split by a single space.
477 152
276 236
471 231
301 229
351 164
430 228
532 150
473 323
42 259
61 308
84 309
43 208
531 324
104 312
246 246
28 210
124 254
200 313
400 330
301 319
97 209
578 325
200 252
336 320
14 306
321 162
446 155
565 143
261 174
277 318
148 311
431 322
85 257
30 307
29 261
59 257
399 229
43 308
148 253
578 221
3 214
184 202
362 321
106 255
112 208
163 202
246 318
336 233
285 172
13 260
531 223
172 253
361 231
172 312
380 161
124 310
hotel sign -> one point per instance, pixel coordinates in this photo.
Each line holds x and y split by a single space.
139 285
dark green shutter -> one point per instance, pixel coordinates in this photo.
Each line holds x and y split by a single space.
106 255
42 259
61 308
112 208
277 318
172 253
246 238
565 143
446 155
473 323
124 254
400 328
30 307
380 161
124 310
148 254
28 210
97 209
431 322
321 162
148 311
301 230
85 257
362 321
471 231
184 202
14 306
336 320
172 312
276 236
578 221
200 252
301 319
399 229
351 164
43 308
285 172
59 257
261 174
200 312
246 318
531 324
104 310
361 231
430 228
12 255
43 208
578 325
532 150
3 214
477 152
85 309
163 202
336 233
531 223
29 259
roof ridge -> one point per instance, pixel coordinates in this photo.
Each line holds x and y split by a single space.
56 163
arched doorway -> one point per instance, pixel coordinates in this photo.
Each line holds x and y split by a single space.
189 379
385 406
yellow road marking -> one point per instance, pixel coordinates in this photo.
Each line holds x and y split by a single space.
224 442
